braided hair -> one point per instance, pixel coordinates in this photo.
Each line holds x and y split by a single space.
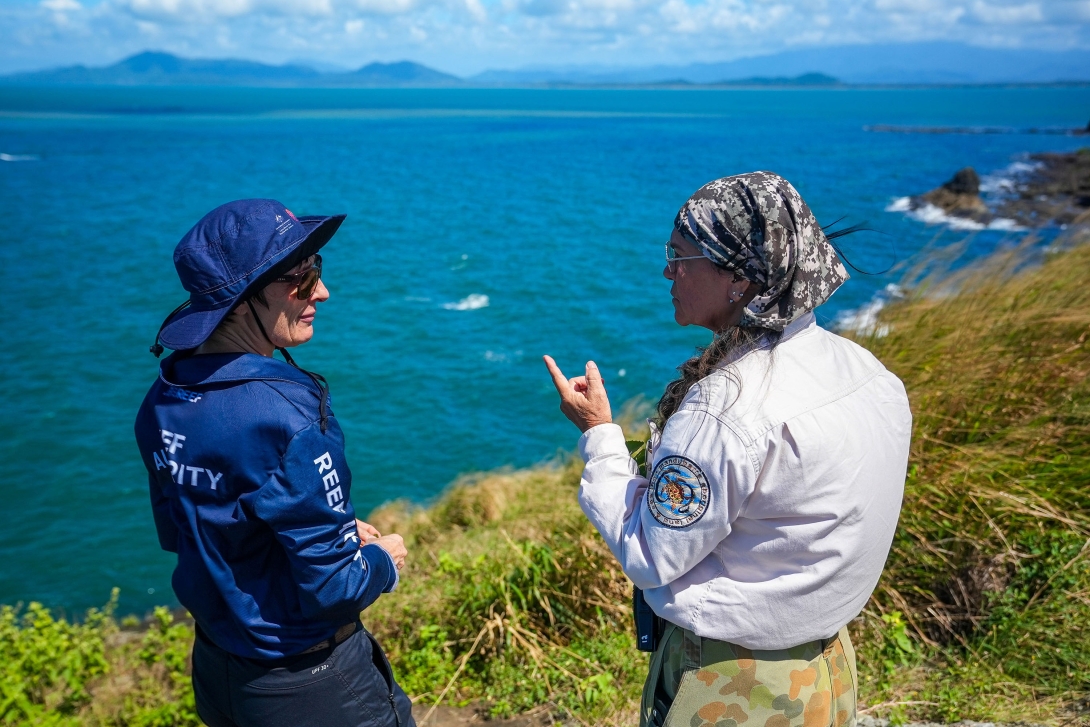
734 339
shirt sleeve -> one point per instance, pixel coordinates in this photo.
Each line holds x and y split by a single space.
306 505
662 526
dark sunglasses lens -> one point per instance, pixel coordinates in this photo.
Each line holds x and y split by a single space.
308 282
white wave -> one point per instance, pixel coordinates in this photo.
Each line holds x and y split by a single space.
470 302
863 320
929 214
502 356
17 157
1006 180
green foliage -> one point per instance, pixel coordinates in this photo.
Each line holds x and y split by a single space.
517 604
55 673
46 663
165 697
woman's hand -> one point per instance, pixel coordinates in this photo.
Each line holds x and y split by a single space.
366 531
583 399
393 544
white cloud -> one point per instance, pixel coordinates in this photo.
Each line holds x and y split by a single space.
1007 14
465 36
61 5
386 7
211 10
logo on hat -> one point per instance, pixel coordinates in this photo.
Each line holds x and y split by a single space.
283 225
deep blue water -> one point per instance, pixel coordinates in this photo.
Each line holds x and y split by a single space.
553 203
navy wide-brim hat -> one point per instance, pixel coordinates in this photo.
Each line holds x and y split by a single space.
237 248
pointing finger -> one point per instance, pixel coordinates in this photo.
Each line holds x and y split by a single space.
594 376
559 380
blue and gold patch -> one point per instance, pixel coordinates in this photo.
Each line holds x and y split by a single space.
678 494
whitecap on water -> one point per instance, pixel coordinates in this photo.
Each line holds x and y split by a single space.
470 302
17 157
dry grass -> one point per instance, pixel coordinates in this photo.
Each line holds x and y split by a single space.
989 564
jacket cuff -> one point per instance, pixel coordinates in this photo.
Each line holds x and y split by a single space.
382 566
602 440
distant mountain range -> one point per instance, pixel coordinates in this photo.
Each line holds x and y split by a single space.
163 69
909 63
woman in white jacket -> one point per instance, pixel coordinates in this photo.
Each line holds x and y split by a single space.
776 469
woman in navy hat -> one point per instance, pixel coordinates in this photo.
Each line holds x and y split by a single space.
249 486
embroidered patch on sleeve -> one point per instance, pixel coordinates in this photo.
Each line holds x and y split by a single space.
678 494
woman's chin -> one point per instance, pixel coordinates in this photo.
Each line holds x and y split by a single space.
302 333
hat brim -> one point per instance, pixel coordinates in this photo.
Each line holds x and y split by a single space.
191 327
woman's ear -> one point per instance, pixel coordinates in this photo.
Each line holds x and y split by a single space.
739 289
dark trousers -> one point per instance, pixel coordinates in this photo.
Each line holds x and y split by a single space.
348 685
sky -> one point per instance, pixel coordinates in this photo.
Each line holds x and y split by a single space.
469 36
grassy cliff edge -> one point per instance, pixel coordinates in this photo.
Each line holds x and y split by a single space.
512 601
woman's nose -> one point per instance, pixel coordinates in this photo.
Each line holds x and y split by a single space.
321 293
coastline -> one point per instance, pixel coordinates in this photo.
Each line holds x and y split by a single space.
513 608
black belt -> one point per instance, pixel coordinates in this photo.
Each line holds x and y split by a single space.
342 635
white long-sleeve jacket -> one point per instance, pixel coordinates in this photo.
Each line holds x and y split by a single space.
768 511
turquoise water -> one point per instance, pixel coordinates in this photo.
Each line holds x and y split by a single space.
552 203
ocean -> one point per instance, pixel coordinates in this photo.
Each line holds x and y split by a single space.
485 228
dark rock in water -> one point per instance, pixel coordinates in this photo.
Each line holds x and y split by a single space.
965 181
959 197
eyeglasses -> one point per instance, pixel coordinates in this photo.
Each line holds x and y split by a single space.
306 280
672 257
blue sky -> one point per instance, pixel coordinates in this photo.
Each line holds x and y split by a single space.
467 36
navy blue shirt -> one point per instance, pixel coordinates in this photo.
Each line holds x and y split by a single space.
254 499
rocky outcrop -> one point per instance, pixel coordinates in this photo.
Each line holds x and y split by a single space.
1054 191
958 197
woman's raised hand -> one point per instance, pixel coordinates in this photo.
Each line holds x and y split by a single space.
583 399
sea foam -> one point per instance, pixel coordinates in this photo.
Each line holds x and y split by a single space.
17 157
929 214
470 302
863 320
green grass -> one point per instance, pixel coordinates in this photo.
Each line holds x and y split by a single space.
511 600
989 566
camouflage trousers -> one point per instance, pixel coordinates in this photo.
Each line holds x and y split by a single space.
698 682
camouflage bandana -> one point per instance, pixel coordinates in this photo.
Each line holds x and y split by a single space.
758 225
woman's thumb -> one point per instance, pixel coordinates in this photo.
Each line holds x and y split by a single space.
594 376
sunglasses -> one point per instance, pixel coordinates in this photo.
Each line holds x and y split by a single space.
305 281
672 258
